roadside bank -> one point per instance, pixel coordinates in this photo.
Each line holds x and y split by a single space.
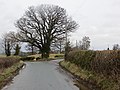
9 73
83 78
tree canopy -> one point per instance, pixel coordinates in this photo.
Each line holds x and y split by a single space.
42 25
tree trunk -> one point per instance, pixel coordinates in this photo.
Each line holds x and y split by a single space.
60 48
32 49
45 55
45 51
7 49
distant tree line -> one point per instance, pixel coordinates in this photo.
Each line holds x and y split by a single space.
44 28
83 44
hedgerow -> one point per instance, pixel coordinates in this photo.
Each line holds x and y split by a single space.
105 62
6 62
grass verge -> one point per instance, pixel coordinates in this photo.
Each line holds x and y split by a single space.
90 79
8 74
37 57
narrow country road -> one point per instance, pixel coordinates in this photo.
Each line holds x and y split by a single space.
42 76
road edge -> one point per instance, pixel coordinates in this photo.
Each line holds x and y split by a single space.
80 81
9 73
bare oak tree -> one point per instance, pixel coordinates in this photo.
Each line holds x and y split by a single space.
7 43
41 25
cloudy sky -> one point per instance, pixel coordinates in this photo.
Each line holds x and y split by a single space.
98 19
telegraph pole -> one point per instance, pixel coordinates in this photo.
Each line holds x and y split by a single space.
66 43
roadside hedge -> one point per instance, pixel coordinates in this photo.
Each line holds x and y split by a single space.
105 62
6 62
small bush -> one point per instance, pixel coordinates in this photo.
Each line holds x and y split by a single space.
27 58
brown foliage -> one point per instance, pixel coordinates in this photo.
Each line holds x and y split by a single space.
107 63
7 62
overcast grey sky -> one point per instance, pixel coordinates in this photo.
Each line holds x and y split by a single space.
98 19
